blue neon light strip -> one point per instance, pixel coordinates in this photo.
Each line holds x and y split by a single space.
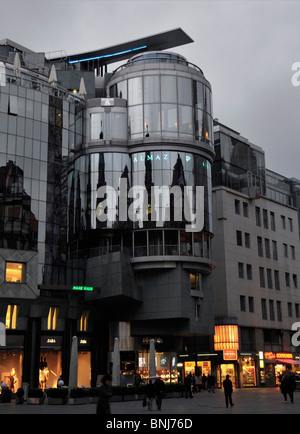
108 55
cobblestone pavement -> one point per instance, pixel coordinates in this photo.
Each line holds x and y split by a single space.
246 401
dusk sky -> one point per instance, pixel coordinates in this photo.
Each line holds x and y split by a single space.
245 48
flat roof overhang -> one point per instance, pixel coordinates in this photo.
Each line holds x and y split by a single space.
117 53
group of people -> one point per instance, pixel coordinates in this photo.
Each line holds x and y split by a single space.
196 383
156 390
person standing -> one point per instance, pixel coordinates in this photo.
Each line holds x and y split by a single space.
211 380
150 394
288 385
199 383
159 387
204 379
188 386
227 385
103 406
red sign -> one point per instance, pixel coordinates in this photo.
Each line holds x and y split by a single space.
230 354
272 356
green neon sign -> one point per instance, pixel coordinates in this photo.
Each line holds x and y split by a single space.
83 288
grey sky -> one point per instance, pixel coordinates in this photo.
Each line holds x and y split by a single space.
246 49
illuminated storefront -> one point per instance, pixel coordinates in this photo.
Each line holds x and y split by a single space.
11 362
203 368
166 366
84 361
276 363
50 366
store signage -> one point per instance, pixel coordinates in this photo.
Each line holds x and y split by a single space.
272 356
83 288
229 354
51 341
107 102
156 340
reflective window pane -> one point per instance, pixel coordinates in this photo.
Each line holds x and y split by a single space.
152 121
169 118
135 91
184 91
168 89
151 89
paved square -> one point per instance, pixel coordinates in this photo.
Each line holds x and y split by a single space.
246 401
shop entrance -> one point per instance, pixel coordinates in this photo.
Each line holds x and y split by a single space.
228 369
248 373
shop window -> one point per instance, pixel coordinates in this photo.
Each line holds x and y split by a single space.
84 321
52 318
14 272
11 316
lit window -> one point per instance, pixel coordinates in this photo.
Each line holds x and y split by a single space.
52 318
226 337
84 321
11 316
14 272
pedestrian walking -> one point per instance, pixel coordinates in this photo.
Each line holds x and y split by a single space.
150 394
211 381
198 383
159 388
105 394
227 386
188 386
288 385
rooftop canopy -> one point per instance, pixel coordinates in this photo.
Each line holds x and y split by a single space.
116 53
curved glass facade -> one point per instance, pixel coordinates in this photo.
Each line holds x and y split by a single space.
163 105
158 168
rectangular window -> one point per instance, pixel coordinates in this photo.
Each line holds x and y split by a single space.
243 303
52 318
276 279
275 253
258 217
245 209
11 316
272 219
195 281
279 311
247 240
267 248
293 254
241 270
269 277
13 105
237 205
283 222
265 219
239 239
297 310
285 251
262 277
295 281
14 272
249 271
264 308
84 321
287 280
291 224
260 246
251 304
271 309
290 312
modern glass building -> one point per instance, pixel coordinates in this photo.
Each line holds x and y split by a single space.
65 270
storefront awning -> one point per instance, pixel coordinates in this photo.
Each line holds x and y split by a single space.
288 361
